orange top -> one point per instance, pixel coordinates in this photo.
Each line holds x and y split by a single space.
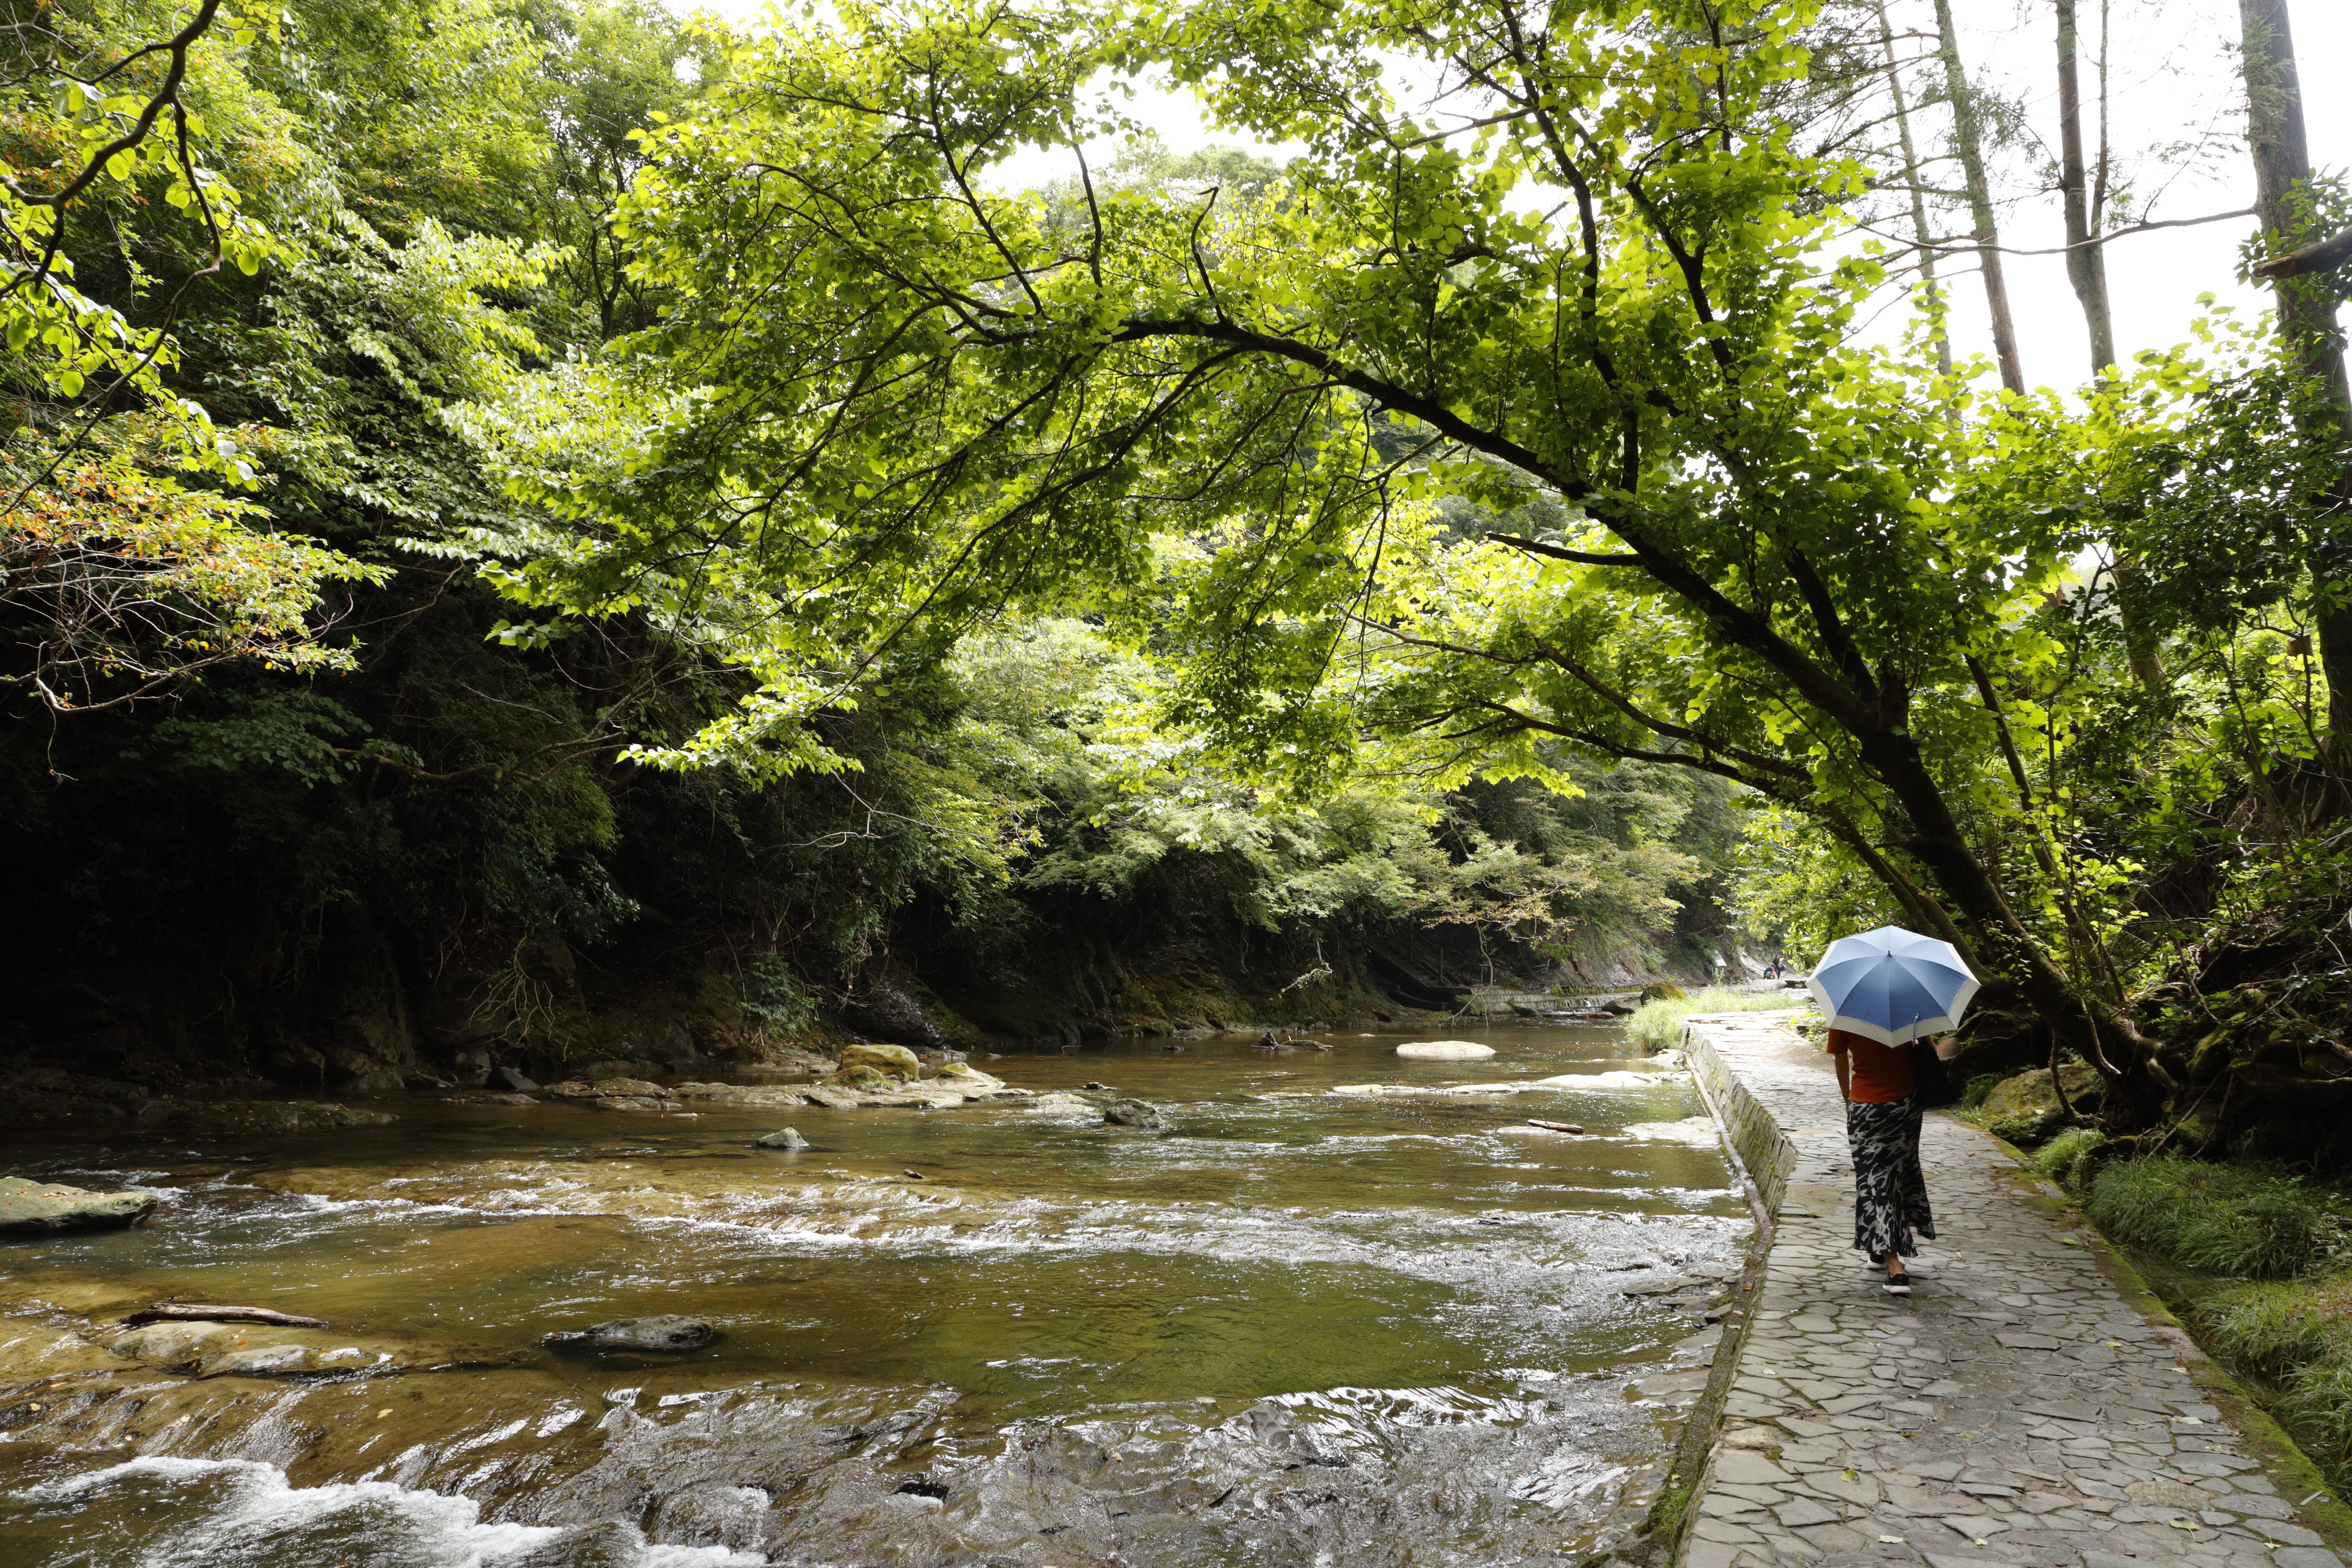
1875 1074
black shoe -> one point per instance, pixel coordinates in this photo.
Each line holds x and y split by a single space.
1898 1284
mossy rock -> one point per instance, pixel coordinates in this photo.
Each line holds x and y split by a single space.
2025 1108
889 1061
1664 991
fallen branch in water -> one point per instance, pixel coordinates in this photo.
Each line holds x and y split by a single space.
209 1312
1555 1126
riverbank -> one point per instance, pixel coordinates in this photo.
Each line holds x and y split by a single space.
2031 1404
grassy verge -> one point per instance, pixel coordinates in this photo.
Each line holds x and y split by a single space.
2264 1277
1658 1025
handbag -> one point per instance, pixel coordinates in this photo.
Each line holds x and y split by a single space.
1931 1087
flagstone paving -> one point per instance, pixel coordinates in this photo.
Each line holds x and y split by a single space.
2018 1409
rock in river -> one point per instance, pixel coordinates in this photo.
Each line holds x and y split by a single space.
36 1208
607 1089
663 1333
513 1080
1132 1113
1445 1050
782 1137
896 1061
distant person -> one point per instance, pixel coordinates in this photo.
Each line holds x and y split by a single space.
1882 1128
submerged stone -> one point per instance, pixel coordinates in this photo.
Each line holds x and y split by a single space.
607 1089
262 1115
669 1332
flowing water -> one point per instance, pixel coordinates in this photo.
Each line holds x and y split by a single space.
1296 1327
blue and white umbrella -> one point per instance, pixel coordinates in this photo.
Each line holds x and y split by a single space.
1892 985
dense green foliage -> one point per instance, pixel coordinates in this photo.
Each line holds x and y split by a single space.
296 788
515 497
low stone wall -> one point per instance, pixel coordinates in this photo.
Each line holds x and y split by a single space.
1766 1155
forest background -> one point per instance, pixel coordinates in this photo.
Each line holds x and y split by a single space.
477 589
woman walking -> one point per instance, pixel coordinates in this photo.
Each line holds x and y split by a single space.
1882 1128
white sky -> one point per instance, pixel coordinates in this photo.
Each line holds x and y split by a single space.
2173 75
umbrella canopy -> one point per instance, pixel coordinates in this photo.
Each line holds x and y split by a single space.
1892 985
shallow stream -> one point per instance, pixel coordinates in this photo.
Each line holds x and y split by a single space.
1296 1327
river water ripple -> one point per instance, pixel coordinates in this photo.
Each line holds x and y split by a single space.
1299 1327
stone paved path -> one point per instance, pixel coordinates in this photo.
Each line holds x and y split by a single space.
2017 1409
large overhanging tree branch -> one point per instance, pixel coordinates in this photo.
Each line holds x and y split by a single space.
892 397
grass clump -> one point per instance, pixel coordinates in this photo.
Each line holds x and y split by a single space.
1658 1025
2242 1221
2297 1334
2071 1158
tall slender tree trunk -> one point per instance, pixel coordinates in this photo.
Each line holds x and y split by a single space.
2086 257
1969 136
1921 234
2306 314
2086 270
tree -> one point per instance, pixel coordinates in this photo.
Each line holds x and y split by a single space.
2306 302
891 401
127 565
1968 136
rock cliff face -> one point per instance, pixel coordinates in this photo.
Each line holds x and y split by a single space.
352 1007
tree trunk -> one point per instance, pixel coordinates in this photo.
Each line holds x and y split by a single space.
2086 257
1920 233
2138 1085
2306 314
1970 138
2086 270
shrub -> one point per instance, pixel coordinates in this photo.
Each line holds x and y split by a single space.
1658 1025
2237 1220
2070 1158
1979 1086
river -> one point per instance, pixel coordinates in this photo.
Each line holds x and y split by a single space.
1299 1326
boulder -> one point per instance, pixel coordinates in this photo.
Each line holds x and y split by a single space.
1445 1050
607 1089
630 1102
511 1079
782 1137
669 1333
1132 1113
38 1208
896 1061
2025 1110
1664 991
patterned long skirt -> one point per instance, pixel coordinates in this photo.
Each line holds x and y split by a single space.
1890 1191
